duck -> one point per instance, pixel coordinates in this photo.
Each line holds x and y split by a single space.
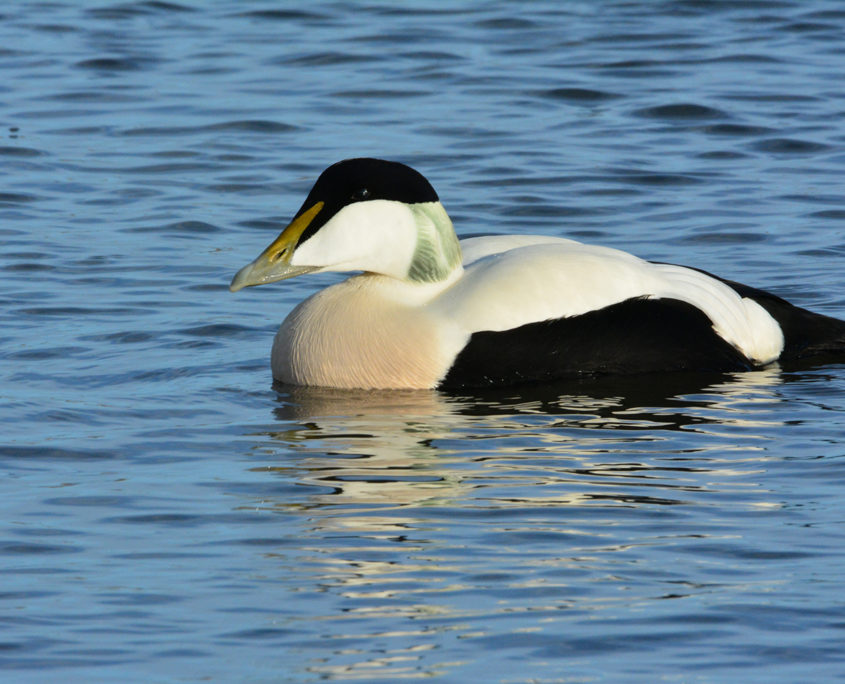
425 310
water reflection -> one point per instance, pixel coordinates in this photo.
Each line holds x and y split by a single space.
443 515
601 397
623 442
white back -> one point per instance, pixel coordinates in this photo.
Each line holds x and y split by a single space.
537 279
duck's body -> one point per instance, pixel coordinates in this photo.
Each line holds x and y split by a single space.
431 312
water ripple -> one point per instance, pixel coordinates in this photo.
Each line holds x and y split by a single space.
173 515
680 111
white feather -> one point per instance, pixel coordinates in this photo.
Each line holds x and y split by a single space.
476 248
542 281
740 321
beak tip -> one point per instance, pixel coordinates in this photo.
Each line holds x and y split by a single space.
241 279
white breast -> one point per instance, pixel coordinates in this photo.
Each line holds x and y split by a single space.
366 332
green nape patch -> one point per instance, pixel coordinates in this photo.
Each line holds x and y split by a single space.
438 251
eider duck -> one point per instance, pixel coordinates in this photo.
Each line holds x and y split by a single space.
430 311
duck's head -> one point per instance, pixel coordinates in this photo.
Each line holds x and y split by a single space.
363 215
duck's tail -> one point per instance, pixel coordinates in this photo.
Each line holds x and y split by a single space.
814 338
809 338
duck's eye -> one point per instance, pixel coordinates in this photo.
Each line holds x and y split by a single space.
360 194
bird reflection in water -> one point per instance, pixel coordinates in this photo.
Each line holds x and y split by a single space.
400 449
411 499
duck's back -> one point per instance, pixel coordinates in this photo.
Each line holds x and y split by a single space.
554 279
539 309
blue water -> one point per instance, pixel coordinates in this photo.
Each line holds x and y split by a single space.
169 516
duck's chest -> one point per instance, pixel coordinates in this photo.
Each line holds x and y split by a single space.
353 335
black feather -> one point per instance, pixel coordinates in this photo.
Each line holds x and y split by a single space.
635 336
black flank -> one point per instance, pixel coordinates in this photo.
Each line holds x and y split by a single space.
635 336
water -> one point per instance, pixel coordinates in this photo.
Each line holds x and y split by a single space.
168 516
